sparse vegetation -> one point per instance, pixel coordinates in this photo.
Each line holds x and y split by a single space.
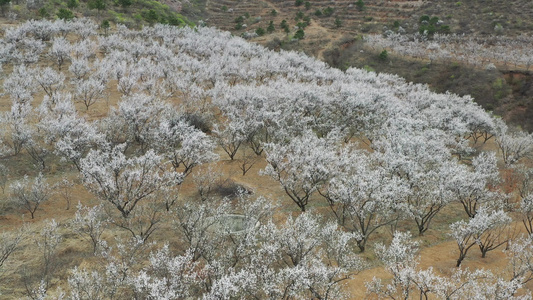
338 23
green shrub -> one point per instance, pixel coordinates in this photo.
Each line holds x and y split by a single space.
368 68
150 16
328 11
298 2
273 12
117 17
429 29
175 21
138 18
43 13
125 3
360 5
65 14
3 6
105 26
307 5
300 34
423 18
500 87
260 31
97 4
73 4
318 13
338 22
271 27
383 55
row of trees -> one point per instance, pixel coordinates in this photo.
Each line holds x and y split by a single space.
495 50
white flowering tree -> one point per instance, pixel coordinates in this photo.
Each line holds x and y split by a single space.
364 197
71 135
302 166
30 195
400 259
90 223
60 51
123 181
185 146
514 145
135 120
9 243
487 230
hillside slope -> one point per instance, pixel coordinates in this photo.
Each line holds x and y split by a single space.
209 167
503 92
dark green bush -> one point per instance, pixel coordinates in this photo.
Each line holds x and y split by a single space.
271 27
360 5
43 13
338 22
97 4
73 4
260 31
150 16
300 34
65 14
328 11
423 18
384 55
125 3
